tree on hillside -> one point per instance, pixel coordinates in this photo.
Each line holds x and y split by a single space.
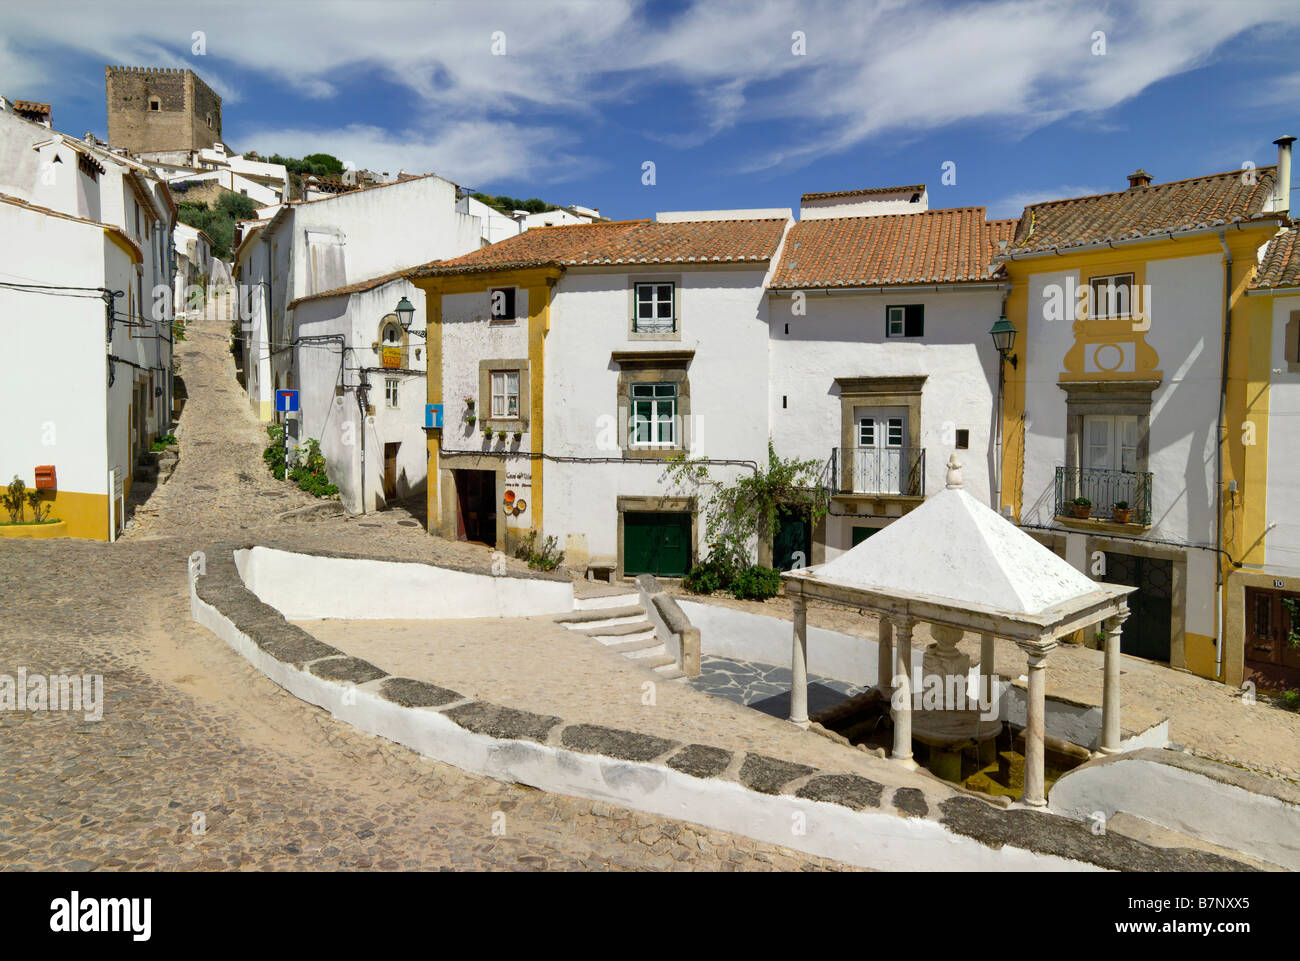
218 222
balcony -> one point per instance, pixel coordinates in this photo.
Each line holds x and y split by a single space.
880 471
1104 488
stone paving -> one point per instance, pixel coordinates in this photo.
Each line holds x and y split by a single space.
764 687
201 762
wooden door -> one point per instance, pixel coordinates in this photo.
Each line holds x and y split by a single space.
390 471
1272 656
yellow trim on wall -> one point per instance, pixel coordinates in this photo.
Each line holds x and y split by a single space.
433 395
1013 399
82 515
539 323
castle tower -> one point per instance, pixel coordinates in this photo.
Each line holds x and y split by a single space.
160 108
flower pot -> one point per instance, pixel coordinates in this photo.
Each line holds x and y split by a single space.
1080 511
1121 516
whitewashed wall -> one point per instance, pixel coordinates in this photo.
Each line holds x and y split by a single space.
1186 308
1282 543
336 420
843 335
723 319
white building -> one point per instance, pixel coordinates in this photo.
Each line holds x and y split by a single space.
264 183
880 361
194 268
576 360
338 246
372 438
87 252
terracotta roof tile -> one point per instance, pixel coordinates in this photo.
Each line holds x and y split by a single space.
865 192
1200 202
621 242
1281 264
360 287
952 245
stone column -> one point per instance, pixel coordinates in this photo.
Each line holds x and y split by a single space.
987 672
1035 793
799 664
902 630
885 656
1110 685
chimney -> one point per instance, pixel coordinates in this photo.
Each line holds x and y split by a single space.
1139 178
1282 185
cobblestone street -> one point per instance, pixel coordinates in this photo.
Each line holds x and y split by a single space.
200 761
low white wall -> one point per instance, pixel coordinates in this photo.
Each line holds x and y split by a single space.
725 632
877 840
1185 801
306 587
1076 723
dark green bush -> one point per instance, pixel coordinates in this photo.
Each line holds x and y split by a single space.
701 579
757 583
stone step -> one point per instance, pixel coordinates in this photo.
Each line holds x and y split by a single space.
662 660
595 616
671 671
627 629
631 648
594 601
652 650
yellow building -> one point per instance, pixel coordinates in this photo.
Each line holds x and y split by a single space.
1135 415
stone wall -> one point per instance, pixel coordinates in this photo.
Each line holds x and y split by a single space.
188 115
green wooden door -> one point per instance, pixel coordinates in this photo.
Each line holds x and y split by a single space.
860 534
793 537
656 543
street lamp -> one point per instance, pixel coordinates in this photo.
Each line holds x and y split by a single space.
1004 339
405 312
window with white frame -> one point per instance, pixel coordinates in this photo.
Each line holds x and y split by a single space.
655 309
1112 296
505 393
907 320
654 415
390 391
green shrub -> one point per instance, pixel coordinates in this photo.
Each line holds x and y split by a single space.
163 442
756 583
548 558
274 454
14 499
309 472
701 579
1291 700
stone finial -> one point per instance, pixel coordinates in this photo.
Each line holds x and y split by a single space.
954 472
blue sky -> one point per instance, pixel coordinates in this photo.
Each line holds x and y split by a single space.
712 92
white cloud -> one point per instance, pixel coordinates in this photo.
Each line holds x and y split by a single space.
1014 204
889 67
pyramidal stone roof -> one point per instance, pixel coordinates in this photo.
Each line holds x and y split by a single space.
956 551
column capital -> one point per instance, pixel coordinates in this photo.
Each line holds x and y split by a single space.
1037 650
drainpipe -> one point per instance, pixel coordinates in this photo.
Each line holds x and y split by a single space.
362 393
1218 457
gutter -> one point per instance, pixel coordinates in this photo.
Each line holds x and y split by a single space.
895 289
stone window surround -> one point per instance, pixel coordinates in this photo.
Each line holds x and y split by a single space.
1117 397
484 405
653 367
379 342
676 281
656 505
892 391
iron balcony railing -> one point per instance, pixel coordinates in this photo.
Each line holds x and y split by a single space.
1105 489
877 470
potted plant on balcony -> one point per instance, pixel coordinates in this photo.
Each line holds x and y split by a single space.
1121 512
1081 508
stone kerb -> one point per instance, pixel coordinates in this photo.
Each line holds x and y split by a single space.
828 813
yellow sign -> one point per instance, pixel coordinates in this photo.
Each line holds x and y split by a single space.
392 357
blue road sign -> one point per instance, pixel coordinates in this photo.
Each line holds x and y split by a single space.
286 401
432 415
